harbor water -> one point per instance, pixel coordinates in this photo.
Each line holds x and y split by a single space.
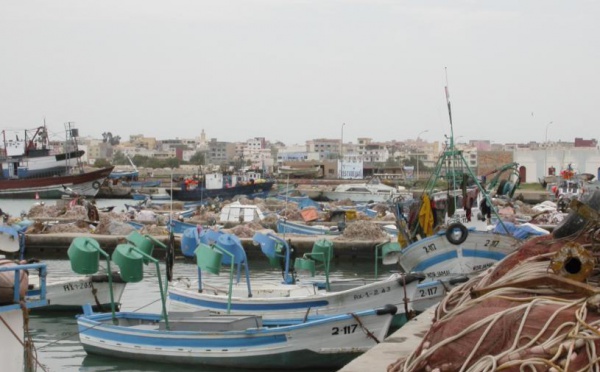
55 335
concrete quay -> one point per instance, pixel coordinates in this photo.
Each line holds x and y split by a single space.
398 345
56 245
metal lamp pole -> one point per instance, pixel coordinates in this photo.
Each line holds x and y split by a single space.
342 150
546 149
418 139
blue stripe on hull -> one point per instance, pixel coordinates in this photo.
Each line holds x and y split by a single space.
207 304
425 264
496 256
177 340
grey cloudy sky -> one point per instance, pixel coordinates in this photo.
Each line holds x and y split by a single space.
292 70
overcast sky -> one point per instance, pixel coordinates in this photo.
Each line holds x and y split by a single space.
293 70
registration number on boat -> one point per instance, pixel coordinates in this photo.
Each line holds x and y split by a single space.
345 330
373 292
77 286
427 292
430 248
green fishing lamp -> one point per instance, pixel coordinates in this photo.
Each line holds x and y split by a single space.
209 258
130 262
144 243
84 255
322 252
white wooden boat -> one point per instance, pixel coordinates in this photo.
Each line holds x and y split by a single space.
200 338
67 293
290 298
275 300
240 341
71 293
449 257
370 192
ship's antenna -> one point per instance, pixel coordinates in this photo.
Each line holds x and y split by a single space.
449 109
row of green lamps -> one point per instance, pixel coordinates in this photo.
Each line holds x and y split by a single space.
84 255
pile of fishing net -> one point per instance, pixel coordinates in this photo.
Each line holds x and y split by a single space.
538 309
154 230
203 216
275 205
75 211
75 227
363 230
42 210
112 223
176 206
245 230
291 214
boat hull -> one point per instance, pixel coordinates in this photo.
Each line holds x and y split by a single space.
72 293
328 342
358 197
12 352
283 301
258 189
85 184
445 263
42 166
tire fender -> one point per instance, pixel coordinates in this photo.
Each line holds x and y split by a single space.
464 232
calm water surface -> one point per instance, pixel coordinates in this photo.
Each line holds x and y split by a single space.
55 335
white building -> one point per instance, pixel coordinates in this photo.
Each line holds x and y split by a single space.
534 164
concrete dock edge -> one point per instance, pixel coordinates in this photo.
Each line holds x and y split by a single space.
399 344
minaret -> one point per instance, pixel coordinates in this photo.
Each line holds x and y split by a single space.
202 137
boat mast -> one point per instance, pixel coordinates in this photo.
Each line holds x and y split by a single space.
449 110
451 158
71 141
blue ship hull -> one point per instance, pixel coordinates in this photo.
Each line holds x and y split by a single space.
259 189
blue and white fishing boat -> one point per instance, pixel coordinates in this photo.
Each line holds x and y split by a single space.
65 293
449 257
291 298
216 185
239 341
201 338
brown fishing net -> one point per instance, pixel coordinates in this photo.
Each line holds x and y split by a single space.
537 310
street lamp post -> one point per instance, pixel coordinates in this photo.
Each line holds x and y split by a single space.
342 150
546 150
418 139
